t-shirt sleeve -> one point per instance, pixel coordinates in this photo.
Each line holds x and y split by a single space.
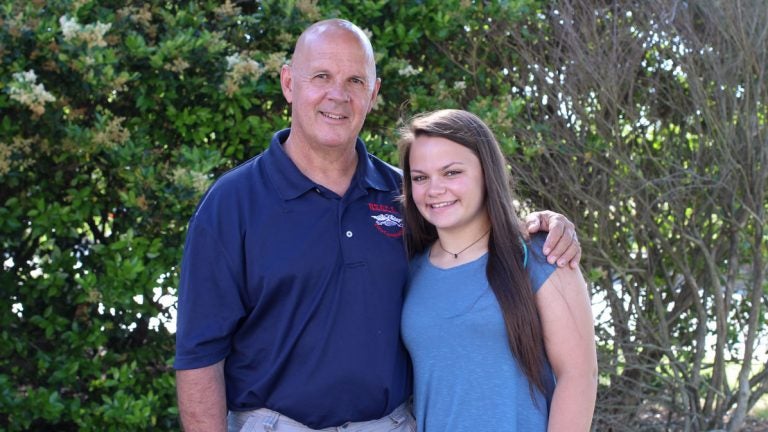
539 270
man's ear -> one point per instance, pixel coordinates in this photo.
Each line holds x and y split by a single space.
375 94
286 82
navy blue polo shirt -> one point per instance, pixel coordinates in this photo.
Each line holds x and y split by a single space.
301 290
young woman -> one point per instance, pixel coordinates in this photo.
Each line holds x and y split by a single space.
500 339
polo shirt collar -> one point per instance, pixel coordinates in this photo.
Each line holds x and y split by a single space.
291 183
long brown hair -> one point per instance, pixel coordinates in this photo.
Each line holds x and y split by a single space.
505 270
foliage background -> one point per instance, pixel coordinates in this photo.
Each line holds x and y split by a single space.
115 116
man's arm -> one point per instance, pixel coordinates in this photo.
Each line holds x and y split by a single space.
202 399
562 244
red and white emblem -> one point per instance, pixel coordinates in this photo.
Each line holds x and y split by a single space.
386 219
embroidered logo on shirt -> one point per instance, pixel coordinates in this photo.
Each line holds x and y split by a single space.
387 219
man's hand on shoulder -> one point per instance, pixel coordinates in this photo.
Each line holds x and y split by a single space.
562 245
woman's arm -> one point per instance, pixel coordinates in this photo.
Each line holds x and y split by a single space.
569 339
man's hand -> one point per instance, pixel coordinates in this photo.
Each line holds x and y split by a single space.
562 245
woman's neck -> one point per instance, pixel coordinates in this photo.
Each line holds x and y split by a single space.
458 247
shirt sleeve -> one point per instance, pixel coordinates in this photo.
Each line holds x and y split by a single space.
539 269
209 303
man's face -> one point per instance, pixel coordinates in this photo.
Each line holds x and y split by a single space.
331 85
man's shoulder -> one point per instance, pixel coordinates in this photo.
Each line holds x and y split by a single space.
233 187
391 175
236 178
380 164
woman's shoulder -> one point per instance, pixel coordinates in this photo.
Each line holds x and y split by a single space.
539 269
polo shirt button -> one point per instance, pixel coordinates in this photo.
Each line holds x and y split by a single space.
349 234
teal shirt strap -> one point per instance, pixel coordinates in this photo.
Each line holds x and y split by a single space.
525 254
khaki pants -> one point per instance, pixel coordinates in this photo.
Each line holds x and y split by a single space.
399 420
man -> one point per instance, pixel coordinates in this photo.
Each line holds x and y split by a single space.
294 267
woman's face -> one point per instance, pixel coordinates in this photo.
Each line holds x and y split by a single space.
447 184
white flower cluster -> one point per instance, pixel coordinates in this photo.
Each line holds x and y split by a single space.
275 61
240 67
197 181
16 155
407 71
178 65
111 133
91 34
309 9
142 16
227 10
25 89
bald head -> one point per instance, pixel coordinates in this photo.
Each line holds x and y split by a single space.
327 30
331 86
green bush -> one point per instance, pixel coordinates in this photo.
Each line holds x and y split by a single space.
116 116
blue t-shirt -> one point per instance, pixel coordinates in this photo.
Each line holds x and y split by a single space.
300 290
465 377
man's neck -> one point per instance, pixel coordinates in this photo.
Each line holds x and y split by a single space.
331 168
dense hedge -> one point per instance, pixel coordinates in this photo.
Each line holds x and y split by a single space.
116 116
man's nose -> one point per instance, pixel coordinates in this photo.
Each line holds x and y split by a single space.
338 91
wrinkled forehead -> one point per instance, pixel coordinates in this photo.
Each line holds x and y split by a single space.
332 35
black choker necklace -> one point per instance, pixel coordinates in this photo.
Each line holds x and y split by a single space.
456 254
